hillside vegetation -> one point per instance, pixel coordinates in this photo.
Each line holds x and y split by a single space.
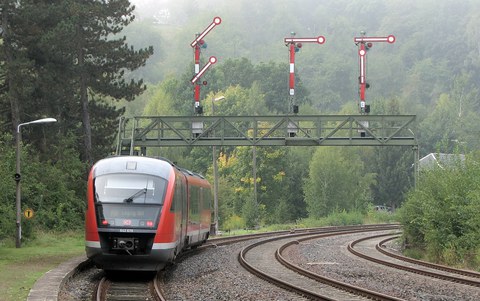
432 71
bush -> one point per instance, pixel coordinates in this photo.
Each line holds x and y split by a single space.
7 220
381 217
344 218
54 190
233 223
441 215
337 218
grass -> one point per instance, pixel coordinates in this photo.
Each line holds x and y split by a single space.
20 268
340 218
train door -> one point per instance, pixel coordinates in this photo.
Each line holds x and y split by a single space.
179 208
194 213
199 210
206 212
184 209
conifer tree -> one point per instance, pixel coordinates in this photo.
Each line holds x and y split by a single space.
65 58
100 57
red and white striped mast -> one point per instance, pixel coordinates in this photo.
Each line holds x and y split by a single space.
364 44
294 45
197 44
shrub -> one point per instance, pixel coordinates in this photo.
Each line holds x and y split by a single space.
234 222
53 189
441 215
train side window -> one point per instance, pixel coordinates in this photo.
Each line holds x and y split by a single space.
177 196
194 200
207 199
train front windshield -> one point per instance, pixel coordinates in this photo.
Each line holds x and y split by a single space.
129 200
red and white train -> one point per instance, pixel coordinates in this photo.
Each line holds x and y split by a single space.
142 212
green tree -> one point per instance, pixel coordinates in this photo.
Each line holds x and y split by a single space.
270 79
54 189
99 60
337 181
392 165
393 175
7 187
64 59
454 119
16 72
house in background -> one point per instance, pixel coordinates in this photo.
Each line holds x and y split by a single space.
440 160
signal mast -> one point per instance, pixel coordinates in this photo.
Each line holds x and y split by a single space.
197 45
364 44
294 45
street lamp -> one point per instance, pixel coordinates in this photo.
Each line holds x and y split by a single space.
18 236
215 173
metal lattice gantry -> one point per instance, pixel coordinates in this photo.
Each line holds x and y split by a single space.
281 130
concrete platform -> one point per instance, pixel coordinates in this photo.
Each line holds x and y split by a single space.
48 286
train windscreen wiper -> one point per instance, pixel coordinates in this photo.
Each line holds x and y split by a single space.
135 195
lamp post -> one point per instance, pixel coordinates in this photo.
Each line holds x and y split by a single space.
215 173
18 236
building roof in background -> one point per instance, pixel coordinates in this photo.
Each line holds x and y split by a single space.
441 160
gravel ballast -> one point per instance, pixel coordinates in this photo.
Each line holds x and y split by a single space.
330 257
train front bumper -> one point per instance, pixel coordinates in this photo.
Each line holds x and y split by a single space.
155 260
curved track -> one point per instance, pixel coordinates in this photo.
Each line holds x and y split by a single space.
417 266
382 249
141 288
228 240
265 260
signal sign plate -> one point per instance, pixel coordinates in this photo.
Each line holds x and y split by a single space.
28 213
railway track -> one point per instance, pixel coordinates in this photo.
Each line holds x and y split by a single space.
126 289
382 249
411 265
228 240
220 241
141 288
265 260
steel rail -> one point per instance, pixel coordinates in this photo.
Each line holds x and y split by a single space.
338 284
105 290
380 247
303 291
454 279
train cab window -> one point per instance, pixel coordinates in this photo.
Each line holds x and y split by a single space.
130 188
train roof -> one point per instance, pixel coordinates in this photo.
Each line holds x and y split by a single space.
190 173
150 165
135 164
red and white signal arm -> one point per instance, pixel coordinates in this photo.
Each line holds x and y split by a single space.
389 39
319 40
294 44
362 52
212 60
216 21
